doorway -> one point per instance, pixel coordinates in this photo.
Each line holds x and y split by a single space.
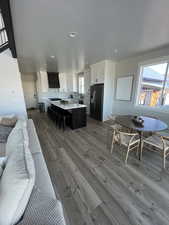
30 91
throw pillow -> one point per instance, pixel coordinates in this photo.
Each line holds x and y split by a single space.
16 137
7 116
8 122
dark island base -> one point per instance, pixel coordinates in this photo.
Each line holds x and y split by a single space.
77 118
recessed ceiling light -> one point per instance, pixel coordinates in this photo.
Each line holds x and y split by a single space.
72 34
52 56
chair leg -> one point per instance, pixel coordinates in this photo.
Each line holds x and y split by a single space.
141 153
112 145
137 152
127 154
164 160
108 139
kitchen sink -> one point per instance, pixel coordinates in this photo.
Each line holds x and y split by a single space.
54 99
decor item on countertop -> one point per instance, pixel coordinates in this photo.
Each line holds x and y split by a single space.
138 121
64 102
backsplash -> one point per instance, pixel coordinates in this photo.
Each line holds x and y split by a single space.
55 93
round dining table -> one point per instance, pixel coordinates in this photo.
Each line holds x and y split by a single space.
149 125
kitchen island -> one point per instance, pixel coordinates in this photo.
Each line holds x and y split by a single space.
77 113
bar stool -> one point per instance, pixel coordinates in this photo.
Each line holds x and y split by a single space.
63 118
53 115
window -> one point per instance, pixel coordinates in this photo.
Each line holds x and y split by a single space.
3 34
154 85
81 84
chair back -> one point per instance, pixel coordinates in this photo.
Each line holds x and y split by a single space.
126 138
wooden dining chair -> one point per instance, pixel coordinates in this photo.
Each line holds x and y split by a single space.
115 137
160 142
131 141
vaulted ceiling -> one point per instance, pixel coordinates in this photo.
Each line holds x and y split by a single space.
106 29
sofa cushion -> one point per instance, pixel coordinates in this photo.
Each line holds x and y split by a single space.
43 210
16 137
17 182
43 180
33 138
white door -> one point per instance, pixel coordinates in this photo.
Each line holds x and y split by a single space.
30 93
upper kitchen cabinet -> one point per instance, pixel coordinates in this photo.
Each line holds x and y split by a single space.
98 72
69 81
104 72
63 82
42 82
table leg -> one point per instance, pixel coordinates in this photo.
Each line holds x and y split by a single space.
140 145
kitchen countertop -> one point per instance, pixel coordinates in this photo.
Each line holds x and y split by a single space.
68 106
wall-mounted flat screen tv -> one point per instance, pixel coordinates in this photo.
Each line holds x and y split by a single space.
53 80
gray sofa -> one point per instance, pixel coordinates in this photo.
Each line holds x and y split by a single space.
43 207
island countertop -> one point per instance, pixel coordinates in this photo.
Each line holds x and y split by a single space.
68 106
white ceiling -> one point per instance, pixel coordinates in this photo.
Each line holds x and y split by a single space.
41 29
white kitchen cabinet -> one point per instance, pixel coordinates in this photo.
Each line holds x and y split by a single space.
63 82
42 82
104 72
98 72
69 80
87 76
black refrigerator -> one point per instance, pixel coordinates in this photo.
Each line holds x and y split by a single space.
96 101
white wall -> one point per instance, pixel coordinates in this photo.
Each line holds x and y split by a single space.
29 89
11 92
130 66
109 84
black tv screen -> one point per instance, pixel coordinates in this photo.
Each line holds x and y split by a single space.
53 80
